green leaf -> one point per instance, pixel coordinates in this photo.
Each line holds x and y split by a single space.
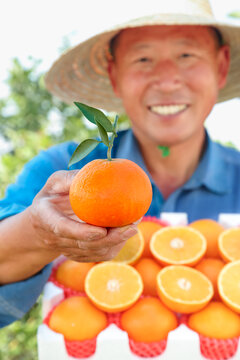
165 150
235 14
103 134
95 115
83 149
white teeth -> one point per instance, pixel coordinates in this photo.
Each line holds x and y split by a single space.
168 109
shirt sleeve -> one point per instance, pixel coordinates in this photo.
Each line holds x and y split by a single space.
17 298
33 177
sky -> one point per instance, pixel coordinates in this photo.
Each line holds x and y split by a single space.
37 29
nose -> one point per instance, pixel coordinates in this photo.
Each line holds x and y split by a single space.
166 77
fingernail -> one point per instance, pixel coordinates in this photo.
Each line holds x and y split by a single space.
95 236
128 232
138 221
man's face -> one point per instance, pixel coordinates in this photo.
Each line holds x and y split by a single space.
168 78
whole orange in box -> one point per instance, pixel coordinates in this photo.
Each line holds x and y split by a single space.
148 228
148 269
72 274
216 320
77 319
110 193
211 267
148 320
211 230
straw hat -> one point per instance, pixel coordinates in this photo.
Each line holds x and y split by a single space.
81 73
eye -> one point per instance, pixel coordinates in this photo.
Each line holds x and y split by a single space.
143 59
186 55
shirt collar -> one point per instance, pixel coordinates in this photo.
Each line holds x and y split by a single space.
210 173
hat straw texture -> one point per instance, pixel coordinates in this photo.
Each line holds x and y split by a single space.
81 73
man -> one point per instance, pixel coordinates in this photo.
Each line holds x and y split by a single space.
167 71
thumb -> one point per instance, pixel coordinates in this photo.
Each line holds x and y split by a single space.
60 181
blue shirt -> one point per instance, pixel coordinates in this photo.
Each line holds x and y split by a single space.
213 188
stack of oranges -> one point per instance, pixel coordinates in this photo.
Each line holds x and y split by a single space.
160 273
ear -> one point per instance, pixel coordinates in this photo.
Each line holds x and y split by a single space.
112 74
223 65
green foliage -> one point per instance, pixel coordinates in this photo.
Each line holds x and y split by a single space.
18 341
28 117
235 14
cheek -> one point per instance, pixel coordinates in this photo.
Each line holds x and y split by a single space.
203 81
130 85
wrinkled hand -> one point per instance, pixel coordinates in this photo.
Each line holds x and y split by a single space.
59 231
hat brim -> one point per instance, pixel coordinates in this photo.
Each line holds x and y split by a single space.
81 73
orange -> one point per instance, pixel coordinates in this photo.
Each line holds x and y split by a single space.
211 267
184 289
132 250
148 269
229 244
148 228
216 320
72 274
110 193
229 285
211 229
77 319
178 245
113 286
148 320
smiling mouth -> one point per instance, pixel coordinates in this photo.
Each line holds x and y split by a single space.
168 109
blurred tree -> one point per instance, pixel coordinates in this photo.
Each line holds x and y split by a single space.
235 14
32 119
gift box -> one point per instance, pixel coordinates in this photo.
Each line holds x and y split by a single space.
114 343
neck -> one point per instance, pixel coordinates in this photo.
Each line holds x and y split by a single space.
169 173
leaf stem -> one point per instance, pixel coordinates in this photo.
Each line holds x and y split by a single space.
114 134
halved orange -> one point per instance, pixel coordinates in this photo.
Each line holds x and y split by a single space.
132 250
113 286
229 244
229 285
178 245
184 289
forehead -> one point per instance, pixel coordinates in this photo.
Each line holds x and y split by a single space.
199 35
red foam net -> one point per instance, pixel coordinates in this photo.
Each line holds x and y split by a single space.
216 349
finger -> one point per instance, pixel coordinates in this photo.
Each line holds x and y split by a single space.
117 235
59 182
62 226
113 251
86 255
138 221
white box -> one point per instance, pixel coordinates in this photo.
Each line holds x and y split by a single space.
112 343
